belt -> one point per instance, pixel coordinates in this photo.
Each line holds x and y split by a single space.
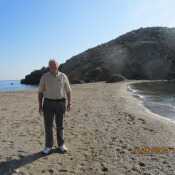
56 100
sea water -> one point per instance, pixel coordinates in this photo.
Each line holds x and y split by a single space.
157 96
14 85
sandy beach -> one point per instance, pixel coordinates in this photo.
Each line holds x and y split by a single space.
104 131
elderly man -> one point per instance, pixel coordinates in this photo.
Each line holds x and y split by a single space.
54 89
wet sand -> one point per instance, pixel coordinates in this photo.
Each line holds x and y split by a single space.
102 131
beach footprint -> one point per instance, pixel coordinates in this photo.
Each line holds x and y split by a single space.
129 117
149 129
142 120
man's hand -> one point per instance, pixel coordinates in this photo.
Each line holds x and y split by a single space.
68 100
68 106
40 110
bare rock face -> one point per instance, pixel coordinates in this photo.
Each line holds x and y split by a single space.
146 53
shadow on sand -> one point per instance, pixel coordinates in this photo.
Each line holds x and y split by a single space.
9 167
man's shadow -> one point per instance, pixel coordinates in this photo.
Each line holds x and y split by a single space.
10 166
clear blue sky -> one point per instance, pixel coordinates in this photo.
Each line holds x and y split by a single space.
33 31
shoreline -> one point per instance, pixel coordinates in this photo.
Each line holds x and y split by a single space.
14 85
140 99
105 125
140 102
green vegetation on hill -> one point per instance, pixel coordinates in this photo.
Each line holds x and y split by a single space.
146 53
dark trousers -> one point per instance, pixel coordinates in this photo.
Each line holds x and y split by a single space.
54 109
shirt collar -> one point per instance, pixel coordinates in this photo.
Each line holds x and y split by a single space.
55 75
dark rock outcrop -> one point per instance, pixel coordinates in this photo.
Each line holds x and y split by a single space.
34 77
146 53
77 81
115 78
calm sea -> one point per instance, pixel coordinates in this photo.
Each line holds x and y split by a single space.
158 96
14 85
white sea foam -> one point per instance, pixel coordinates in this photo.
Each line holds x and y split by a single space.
160 103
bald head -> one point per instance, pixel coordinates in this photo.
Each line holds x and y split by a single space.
53 66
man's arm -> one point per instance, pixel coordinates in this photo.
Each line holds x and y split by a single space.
40 101
68 92
69 100
40 94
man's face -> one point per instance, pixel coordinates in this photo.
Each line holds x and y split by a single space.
53 67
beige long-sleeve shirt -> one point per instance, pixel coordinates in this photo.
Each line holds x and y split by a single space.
54 86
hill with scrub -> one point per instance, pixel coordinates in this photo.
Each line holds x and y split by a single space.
146 53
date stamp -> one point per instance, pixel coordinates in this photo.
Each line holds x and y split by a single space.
153 150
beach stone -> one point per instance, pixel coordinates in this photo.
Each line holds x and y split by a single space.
104 169
118 149
122 152
121 141
51 171
62 170
142 164
43 171
165 162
